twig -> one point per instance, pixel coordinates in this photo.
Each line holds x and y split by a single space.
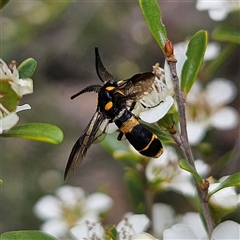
182 138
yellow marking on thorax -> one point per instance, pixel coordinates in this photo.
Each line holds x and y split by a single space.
108 106
129 125
110 88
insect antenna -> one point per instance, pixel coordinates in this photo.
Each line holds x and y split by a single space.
102 73
91 88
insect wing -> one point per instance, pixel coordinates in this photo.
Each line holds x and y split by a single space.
137 86
89 135
102 72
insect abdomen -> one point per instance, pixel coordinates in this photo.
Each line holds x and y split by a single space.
139 137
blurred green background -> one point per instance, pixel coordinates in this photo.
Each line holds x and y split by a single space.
61 36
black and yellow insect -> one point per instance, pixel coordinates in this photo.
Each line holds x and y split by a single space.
116 100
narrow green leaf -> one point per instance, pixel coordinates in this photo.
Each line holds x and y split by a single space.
227 34
153 17
1 181
186 166
26 235
136 189
231 181
27 68
195 54
36 131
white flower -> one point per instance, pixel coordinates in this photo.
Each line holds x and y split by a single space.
9 119
179 231
225 198
143 236
11 90
206 108
166 173
194 221
217 10
212 51
20 86
88 231
225 230
131 225
155 105
163 216
69 208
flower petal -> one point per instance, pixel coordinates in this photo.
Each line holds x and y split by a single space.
203 168
25 86
154 114
8 122
70 195
87 230
162 216
5 72
143 236
212 51
55 227
220 92
196 132
23 107
226 118
226 230
218 14
179 231
193 220
99 202
138 222
47 207
225 198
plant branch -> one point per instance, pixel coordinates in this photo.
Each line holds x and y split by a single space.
182 138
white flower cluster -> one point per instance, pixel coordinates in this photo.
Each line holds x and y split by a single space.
206 107
70 208
71 213
10 78
157 103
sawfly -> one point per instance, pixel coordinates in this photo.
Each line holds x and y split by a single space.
116 100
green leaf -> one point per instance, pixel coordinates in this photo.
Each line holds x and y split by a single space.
26 235
231 181
226 33
164 136
3 3
136 189
27 68
1 181
112 232
129 158
43 132
195 54
152 14
186 166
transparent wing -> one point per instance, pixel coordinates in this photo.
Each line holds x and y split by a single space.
137 86
93 131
